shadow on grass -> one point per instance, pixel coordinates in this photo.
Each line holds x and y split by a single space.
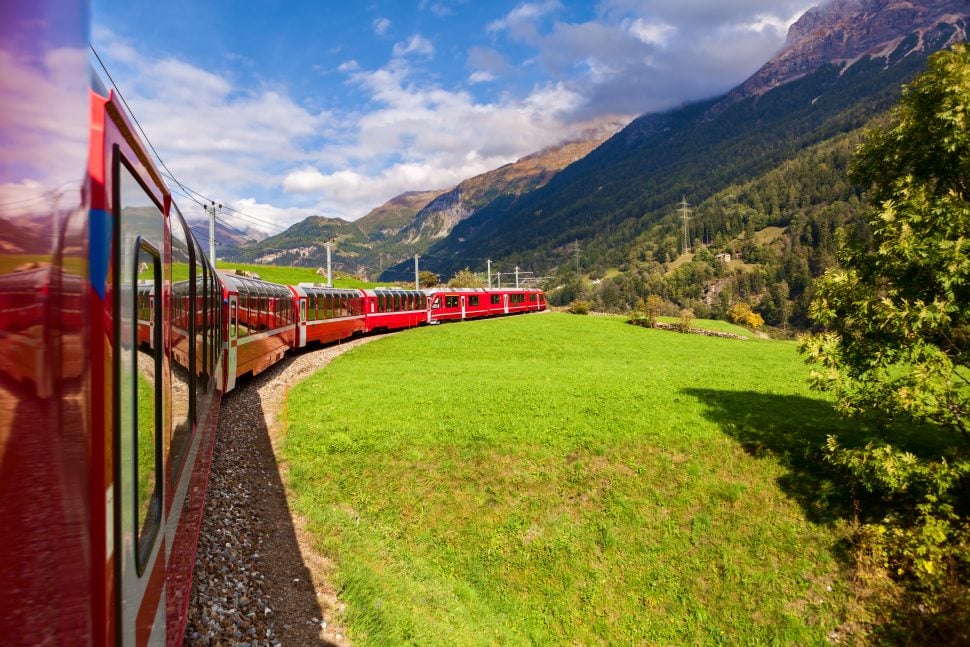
794 429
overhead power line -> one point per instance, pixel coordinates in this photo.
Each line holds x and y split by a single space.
188 192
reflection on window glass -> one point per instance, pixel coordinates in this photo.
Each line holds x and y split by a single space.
139 365
145 378
182 351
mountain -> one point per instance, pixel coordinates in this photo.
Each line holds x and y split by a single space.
389 218
227 237
844 31
409 223
842 65
439 217
305 243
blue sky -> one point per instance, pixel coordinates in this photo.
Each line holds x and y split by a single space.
285 109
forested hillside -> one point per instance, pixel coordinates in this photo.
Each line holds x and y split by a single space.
779 230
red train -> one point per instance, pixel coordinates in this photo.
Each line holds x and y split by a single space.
265 320
117 341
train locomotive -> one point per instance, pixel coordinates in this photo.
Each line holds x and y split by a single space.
118 340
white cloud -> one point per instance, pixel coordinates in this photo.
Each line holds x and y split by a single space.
44 102
649 32
349 66
381 25
521 21
645 55
417 44
266 212
424 137
480 76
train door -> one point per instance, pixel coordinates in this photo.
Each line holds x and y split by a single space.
505 302
301 334
139 513
462 307
233 341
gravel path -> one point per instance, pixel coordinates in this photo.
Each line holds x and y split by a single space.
256 579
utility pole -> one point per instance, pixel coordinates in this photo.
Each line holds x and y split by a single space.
685 215
329 274
499 280
516 277
489 261
211 212
417 285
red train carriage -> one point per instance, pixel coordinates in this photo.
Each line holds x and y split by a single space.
470 303
394 309
327 315
260 325
521 300
105 442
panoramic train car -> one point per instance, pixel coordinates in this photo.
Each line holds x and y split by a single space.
520 300
105 432
394 309
451 304
260 325
327 314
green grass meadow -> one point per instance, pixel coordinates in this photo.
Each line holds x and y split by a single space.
558 479
295 275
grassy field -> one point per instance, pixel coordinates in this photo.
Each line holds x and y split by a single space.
294 275
555 479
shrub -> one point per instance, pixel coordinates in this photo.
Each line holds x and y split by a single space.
427 279
579 307
913 529
740 313
466 279
685 319
647 311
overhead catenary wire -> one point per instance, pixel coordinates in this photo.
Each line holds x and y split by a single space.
257 220
187 192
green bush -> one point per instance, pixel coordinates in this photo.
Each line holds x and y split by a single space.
685 320
907 511
579 307
647 311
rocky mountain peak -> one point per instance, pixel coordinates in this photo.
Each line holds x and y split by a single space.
844 31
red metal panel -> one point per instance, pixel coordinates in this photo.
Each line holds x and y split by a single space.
50 578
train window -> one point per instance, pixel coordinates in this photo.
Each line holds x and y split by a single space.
496 299
203 333
436 303
181 386
140 232
473 300
451 302
215 330
532 298
147 374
